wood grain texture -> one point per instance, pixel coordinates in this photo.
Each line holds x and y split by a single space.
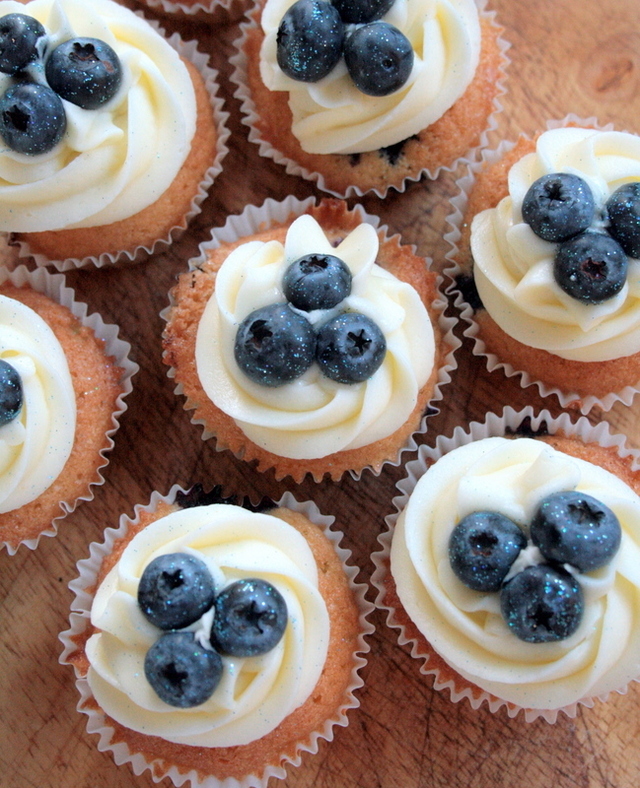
567 56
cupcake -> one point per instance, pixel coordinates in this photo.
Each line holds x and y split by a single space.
307 341
365 96
547 264
512 567
272 619
63 376
108 147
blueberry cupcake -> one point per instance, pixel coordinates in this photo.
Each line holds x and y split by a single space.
307 341
214 641
363 96
510 566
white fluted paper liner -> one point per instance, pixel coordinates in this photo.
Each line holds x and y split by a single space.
251 115
189 51
454 220
54 287
494 425
217 10
84 587
255 218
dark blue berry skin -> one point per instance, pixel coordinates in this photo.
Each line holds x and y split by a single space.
19 36
32 118
250 618
182 672
482 548
309 40
350 348
84 71
175 590
575 528
542 604
558 206
379 58
623 211
316 281
274 345
591 267
10 392
358 11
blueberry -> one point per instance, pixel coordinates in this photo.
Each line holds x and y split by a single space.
350 348
84 71
482 548
558 206
591 267
19 36
358 11
274 345
575 528
317 281
32 118
181 671
250 618
309 40
175 590
379 58
623 210
10 392
542 603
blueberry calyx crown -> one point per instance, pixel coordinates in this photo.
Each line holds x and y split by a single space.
542 602
11 393
312 38
175 590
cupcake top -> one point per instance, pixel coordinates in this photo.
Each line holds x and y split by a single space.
331 114
117 146
254 693
574 292
474 630
37 405
314 410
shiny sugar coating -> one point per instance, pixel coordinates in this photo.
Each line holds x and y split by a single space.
350 348
359 11
590 267
309 40
558 206
85 71
316 281
32 118
11 394
19 36
623 213
379 58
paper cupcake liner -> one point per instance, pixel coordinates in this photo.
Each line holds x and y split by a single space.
255 218
494 425
215 11
84 587
54 287
250 116
189 51
452 269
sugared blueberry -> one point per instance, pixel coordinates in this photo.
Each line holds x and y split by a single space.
623 211
542 604
175 590
558 206
575 528
350 348
358 11
10 392
379 58
274 345
32 118
590 267
309 40
250 618
316 281
19 36
85 71
482 548
181 671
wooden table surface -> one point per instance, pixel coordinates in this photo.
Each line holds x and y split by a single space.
580 56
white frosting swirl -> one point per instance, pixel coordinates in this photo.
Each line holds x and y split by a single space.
255 693
314 416
113 161
466 628
36 444
333 116
513 267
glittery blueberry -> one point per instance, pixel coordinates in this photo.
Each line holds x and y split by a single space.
10 392
358 11
379 58
623 212
309 40
19 35
316 281
558 206
84 71
32 118
350 348
590 267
